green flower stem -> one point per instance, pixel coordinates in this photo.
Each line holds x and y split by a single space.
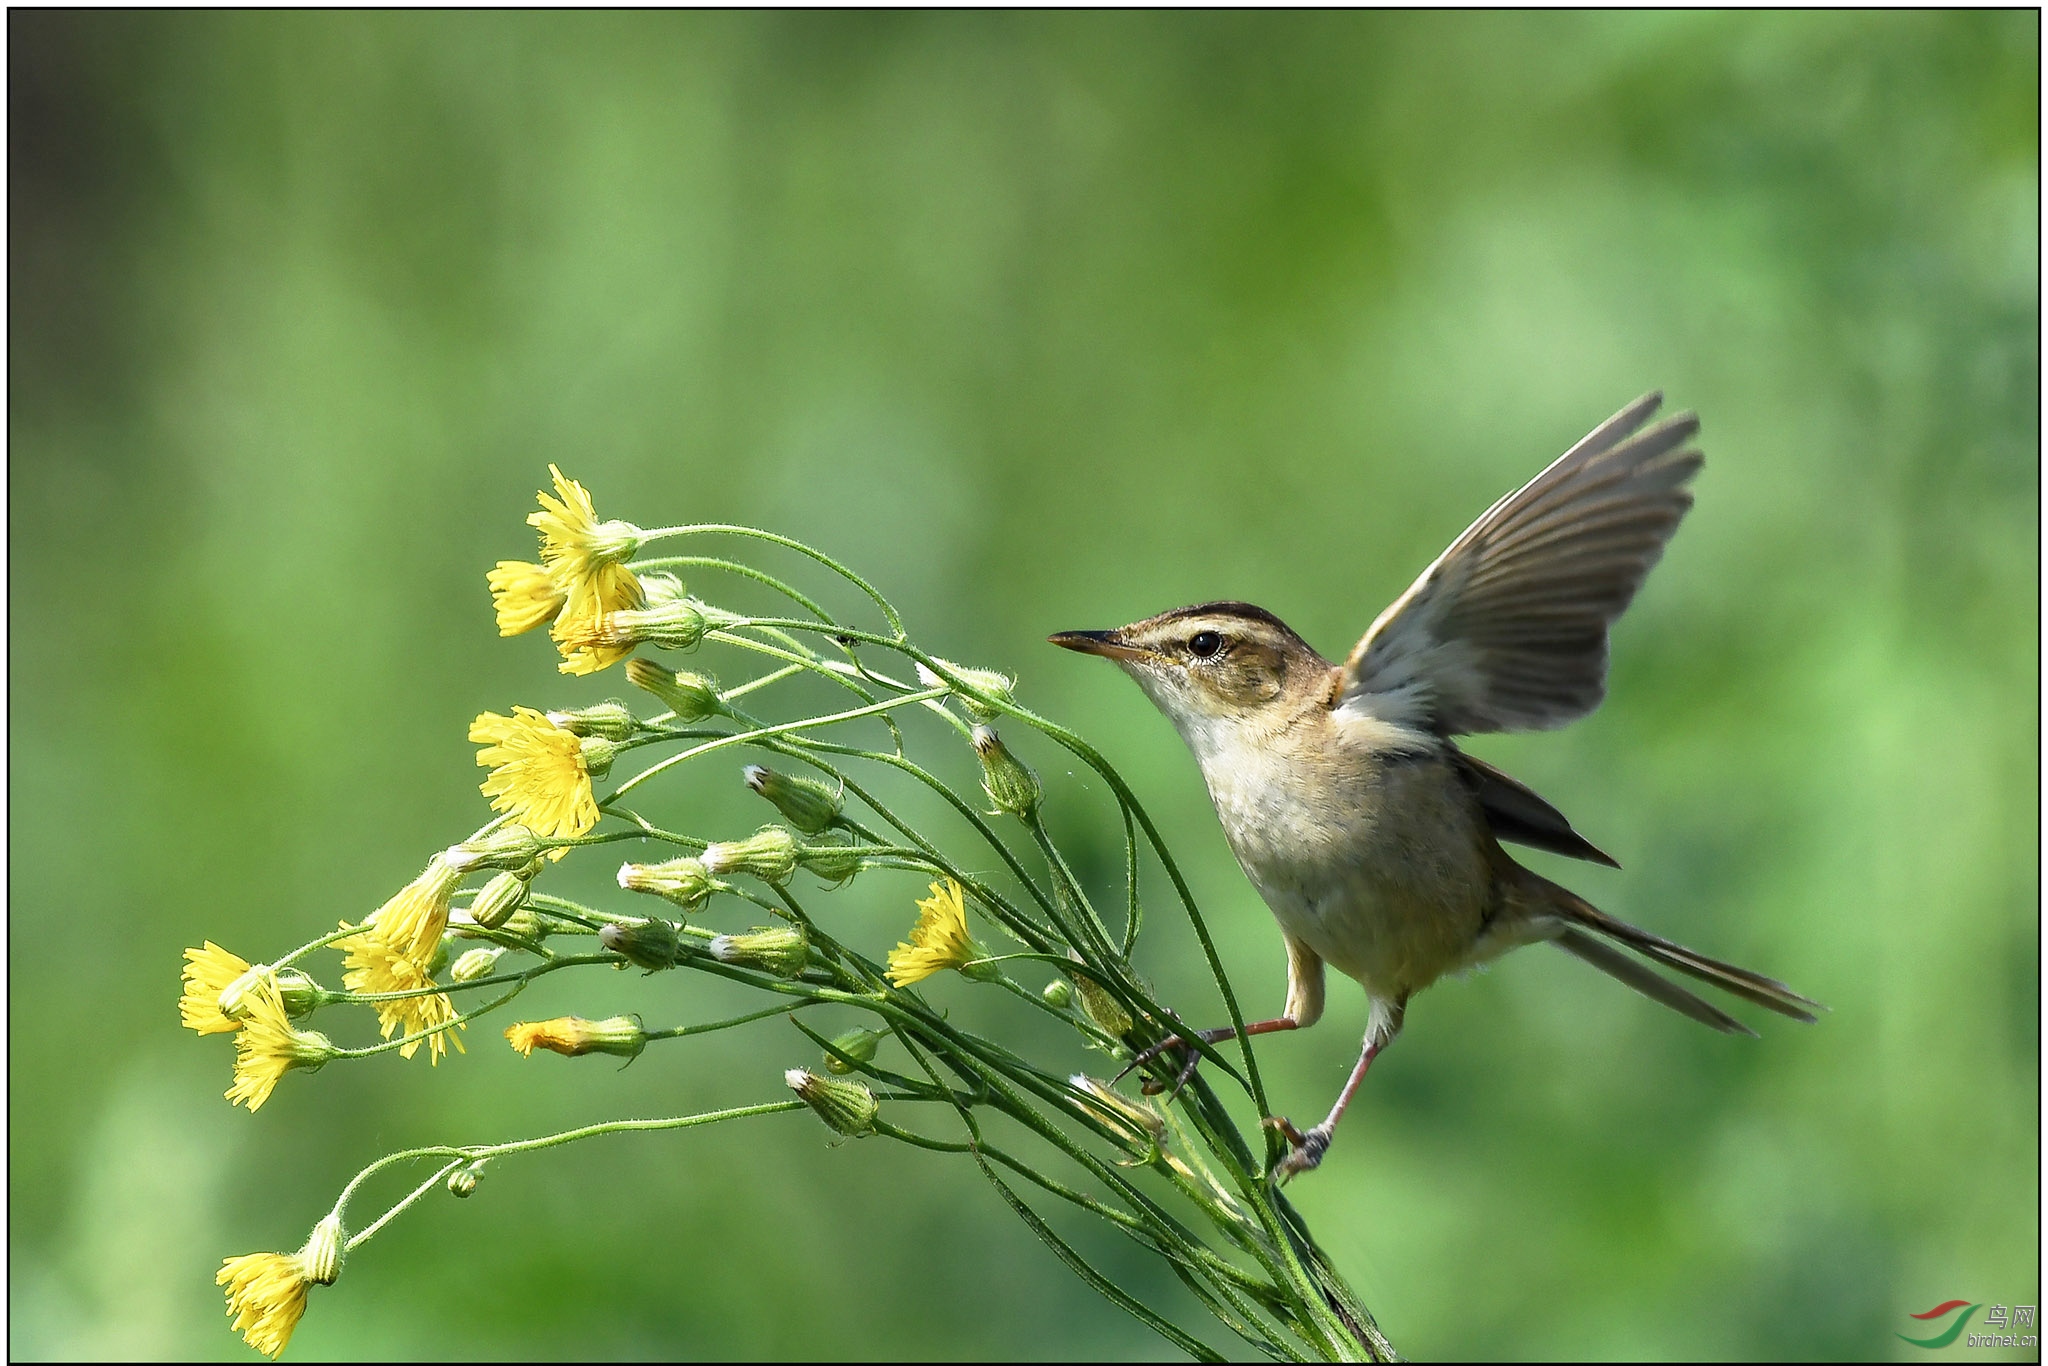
417 1192
756 684
331 937
684 1031
471 1155
1125 797
1191 1254
522 977
888 611
745 571
1071 1018
1167 1229
855 713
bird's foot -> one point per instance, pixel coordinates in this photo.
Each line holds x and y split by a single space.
1304 1150
1152 1086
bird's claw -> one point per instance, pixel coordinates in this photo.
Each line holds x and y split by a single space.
1304 1150
1152 1086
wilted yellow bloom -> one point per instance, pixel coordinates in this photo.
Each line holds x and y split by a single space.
208 972
525 595
586 559
413 919
267 1290
572 1036
584 631
266 1047
376 966
267 1296
938 941
537 772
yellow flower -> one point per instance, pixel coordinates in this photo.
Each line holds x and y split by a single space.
376 966
412 921
586 560
267 1290
572 1036
267 1047
267 1296
525 595
537 772
938 941
583 632
208 972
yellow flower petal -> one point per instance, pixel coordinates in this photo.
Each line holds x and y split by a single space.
267 1296
208 972
938 941
572 1036
585 560
376 966
582 633
266 1047
537 772
525 596
413 919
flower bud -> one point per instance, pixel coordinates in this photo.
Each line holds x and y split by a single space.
833 860
598 754
684 881
1058 993
847 1106
509 846
1140 1125
572 1036
614 542
462 1181
476 963
651 944
1011 786
692 697
784 952
857 1044
768 854
301 994
659 588
809 805
1103 1010
497 899
321 1258
527 925
985 681
610 719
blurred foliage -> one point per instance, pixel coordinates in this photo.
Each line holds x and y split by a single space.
1042 322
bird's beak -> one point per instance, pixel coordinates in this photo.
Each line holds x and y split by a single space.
1108 644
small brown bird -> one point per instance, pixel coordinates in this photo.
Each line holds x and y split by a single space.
1373 839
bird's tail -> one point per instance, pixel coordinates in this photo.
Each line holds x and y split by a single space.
1590 934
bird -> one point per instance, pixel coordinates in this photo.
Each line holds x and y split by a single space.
1371 836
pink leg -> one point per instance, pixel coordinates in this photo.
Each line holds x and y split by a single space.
1307 1149
1153 1088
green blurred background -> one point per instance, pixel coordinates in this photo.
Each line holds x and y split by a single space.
1043 322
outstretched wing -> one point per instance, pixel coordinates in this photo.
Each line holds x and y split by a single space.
1508 629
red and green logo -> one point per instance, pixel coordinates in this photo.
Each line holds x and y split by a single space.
1950 1333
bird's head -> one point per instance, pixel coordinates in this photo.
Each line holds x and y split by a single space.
1217 665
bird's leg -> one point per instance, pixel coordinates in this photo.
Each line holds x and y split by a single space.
1303 1008
1305 1150
1152 1087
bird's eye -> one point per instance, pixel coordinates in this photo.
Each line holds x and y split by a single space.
1204 644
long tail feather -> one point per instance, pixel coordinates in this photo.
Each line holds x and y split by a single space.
1767 992
1753 987
1657 987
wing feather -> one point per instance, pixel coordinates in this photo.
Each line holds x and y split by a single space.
1507 630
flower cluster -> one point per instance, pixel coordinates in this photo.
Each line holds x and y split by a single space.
581 580
436 942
